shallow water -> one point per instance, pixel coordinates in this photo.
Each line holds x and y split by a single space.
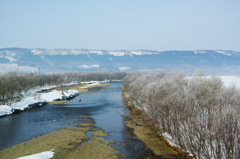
104 105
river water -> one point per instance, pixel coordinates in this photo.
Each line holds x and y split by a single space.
105 105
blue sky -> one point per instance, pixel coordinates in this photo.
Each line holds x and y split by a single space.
121 24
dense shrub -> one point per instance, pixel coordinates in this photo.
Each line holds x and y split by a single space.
201 114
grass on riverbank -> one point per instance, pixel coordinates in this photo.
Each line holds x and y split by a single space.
80 88
96 148
66 143
153 141
58 102
63 142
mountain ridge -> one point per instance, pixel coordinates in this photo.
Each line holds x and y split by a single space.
52 60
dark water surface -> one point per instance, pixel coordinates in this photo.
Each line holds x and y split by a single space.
104 105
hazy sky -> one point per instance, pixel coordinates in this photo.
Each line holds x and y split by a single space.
121 24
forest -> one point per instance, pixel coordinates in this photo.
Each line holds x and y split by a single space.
200 113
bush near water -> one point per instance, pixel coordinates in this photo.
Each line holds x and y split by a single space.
200 113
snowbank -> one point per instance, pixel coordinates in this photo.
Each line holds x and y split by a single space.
43 97
38 99
70 93
42 155
23 103
92 83
5 110
50 96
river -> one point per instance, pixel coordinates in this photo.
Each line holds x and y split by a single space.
104 105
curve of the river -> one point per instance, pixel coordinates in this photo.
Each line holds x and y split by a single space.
104 105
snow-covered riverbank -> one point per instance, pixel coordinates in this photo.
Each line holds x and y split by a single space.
42 155
38 99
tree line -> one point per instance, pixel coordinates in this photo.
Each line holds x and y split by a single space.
200 113
14 85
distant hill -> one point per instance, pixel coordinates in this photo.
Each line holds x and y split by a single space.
223 62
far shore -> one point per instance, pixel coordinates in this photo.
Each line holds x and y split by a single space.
81 88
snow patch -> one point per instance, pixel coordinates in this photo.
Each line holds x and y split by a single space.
38 97
92 83
170 140
42 155
117 53
124 68
200 51
89 66
224 53
142 52
5 110
24 103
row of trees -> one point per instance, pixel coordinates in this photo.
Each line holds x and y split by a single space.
13 86
201 114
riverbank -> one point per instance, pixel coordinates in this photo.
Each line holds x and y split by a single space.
91 84
37 100
54 95
146 132
84 86
99 105
83 140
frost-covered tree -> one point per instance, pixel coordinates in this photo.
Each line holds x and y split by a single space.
201 114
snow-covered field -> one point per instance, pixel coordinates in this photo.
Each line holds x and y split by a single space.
231 81
42 155
227 80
